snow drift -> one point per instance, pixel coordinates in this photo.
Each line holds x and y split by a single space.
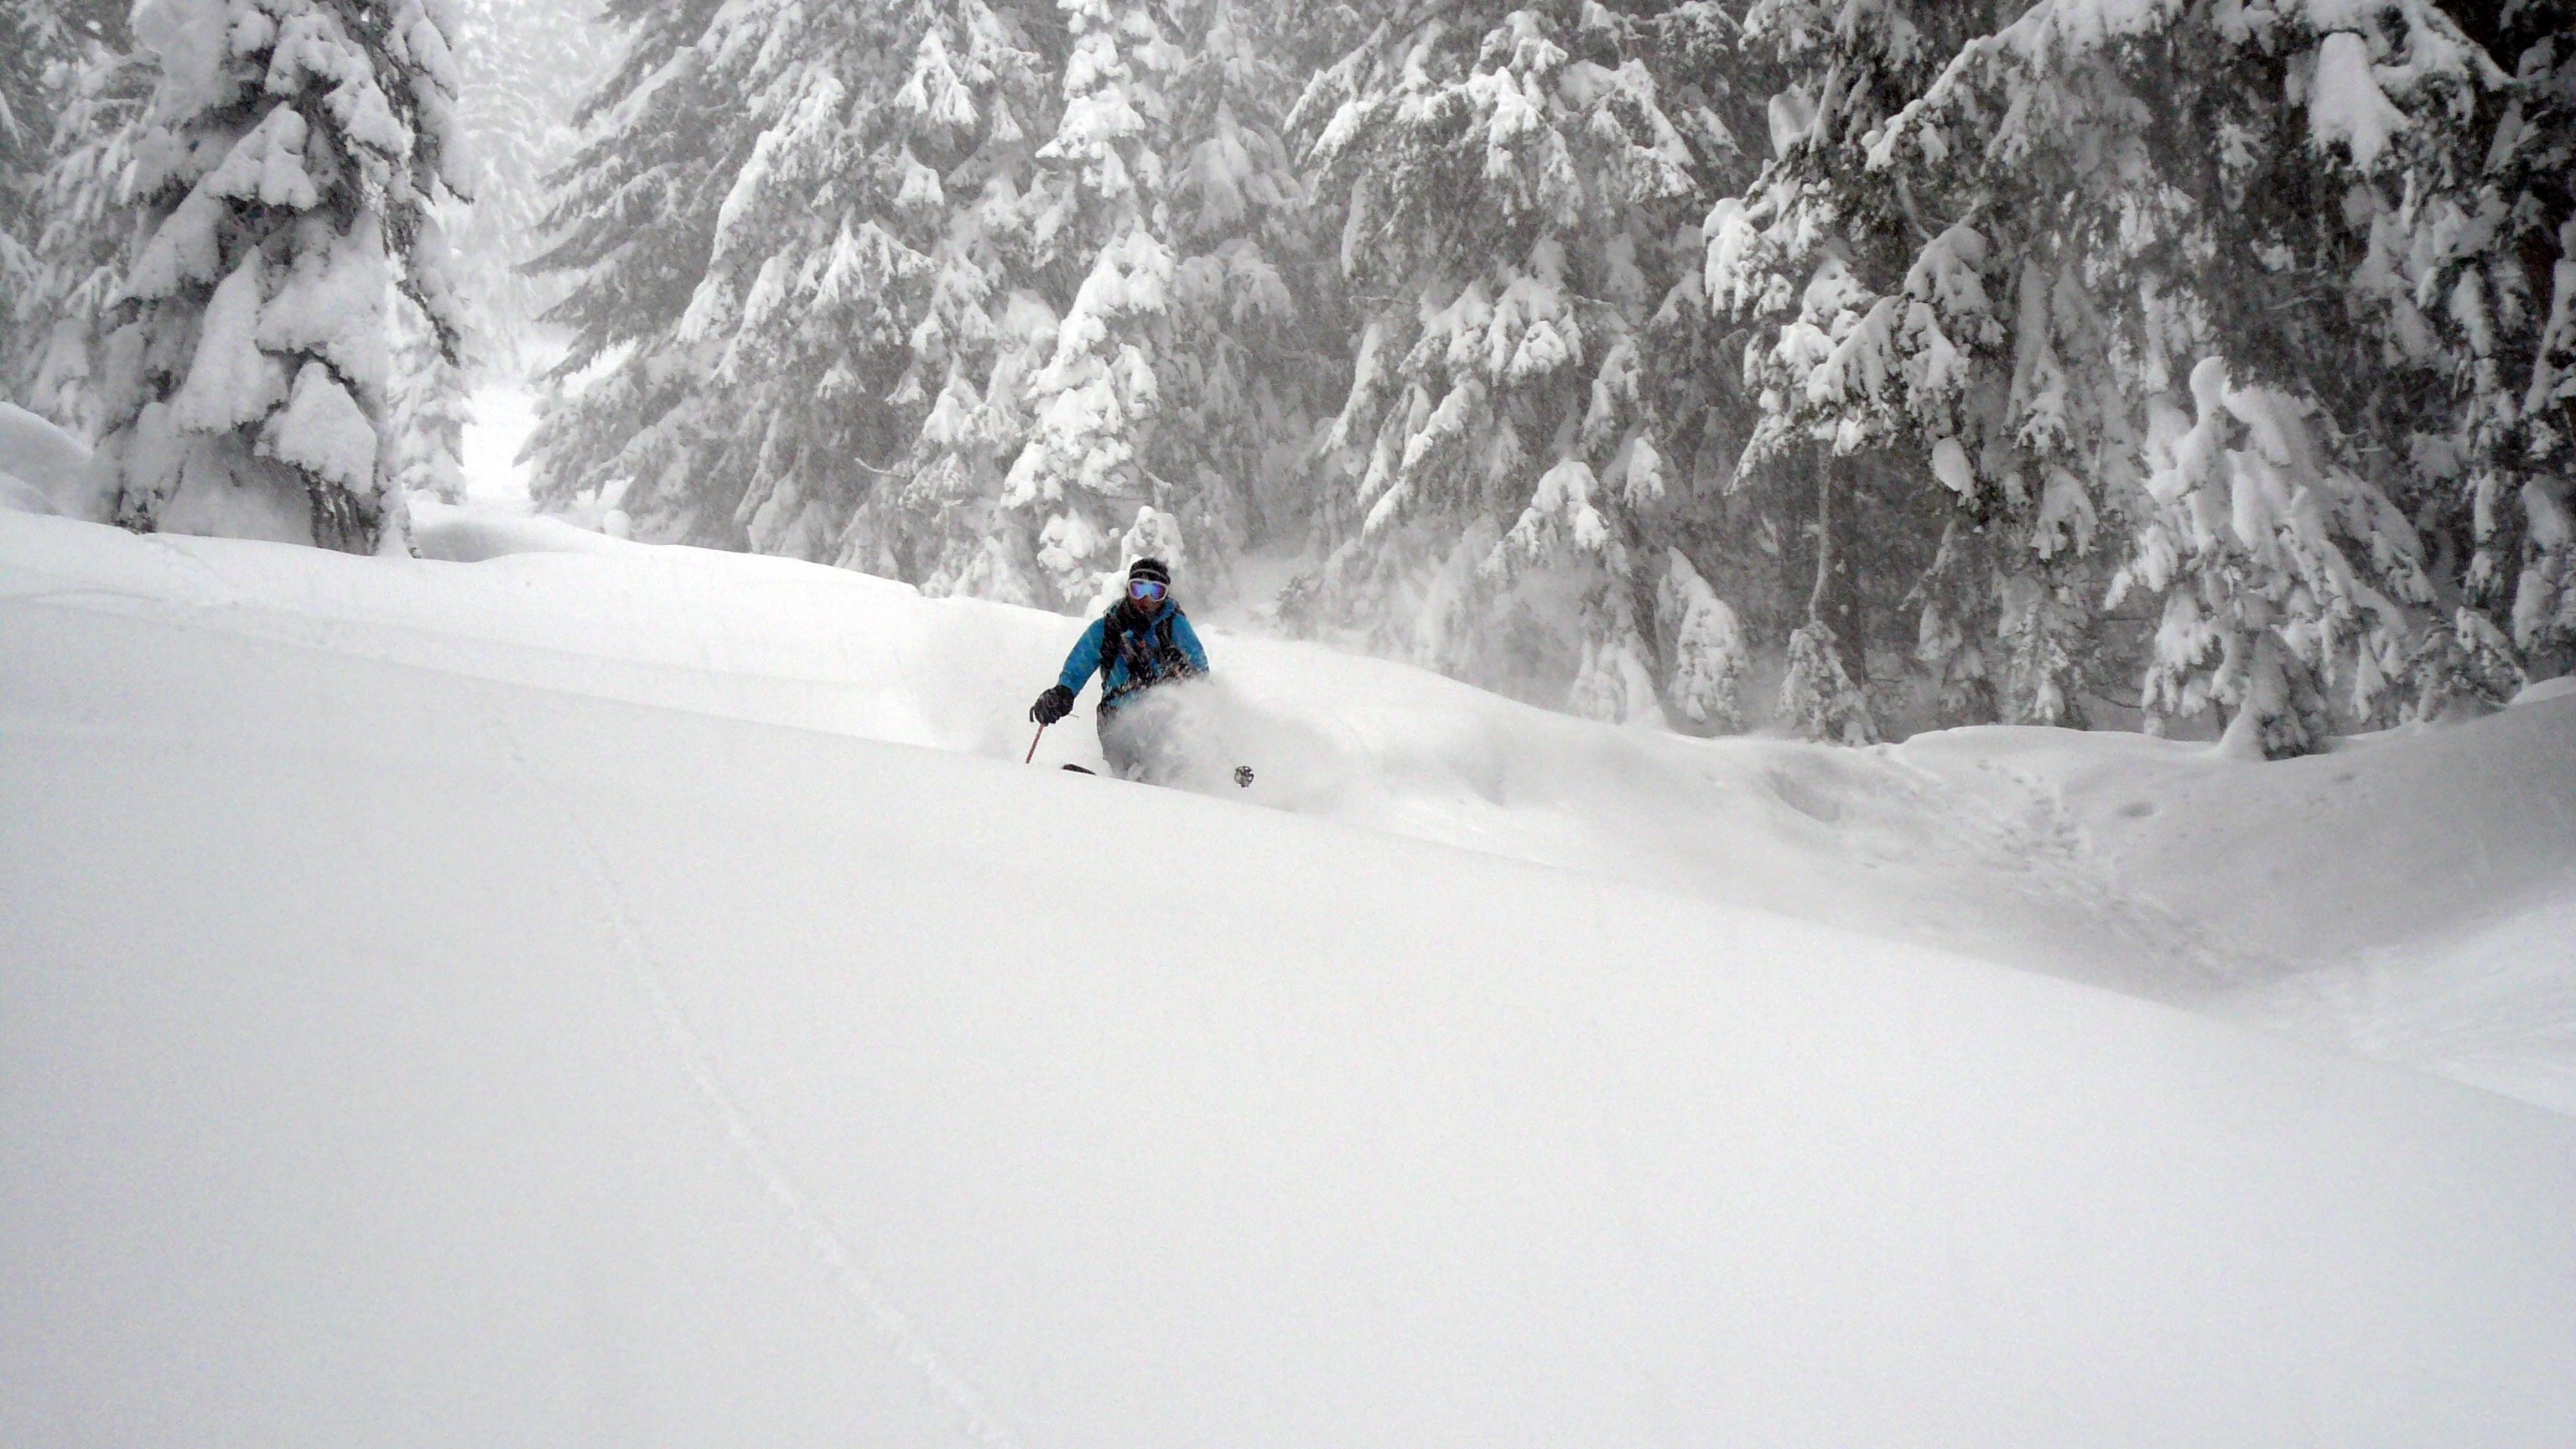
2159 869
625 999
43 470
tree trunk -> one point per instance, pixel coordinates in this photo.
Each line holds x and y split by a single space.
1829 601
1824 535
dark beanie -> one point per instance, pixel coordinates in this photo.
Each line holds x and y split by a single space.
1150 568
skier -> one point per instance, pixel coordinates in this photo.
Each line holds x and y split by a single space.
1143 640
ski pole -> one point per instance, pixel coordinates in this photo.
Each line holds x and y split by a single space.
1033 744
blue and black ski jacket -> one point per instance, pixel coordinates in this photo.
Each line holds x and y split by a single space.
1130 653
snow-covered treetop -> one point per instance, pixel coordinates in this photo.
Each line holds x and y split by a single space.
290 160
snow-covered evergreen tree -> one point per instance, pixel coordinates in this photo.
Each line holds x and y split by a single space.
1163 231
947 265
1856 283
293 152
825 258
2081 273
1094 207
525 66
772 278
2275 525
1157 366
46 46
34 44
979 97
427 408
2543 611
60 248
1516 200
1701 634
1245 351
2493 275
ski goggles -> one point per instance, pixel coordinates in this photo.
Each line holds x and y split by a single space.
1152 589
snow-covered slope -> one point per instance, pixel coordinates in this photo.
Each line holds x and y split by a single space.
2160 869
570 999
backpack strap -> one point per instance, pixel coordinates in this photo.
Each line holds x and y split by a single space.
1113 647
1113 639
1149 662
1169 661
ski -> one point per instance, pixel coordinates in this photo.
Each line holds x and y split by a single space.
1242 774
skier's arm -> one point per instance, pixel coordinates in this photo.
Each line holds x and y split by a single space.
1084 661
1188 640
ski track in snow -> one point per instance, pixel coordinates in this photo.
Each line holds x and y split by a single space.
2031 837
892 1325
2010 831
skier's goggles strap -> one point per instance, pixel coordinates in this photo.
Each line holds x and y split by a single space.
1153 589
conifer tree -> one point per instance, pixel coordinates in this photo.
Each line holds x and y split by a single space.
1513 194
64 264
427 409
34 44
1243 355
767 255
293 151
2082 273
978 99
821 268
1163 236
1153 372
525 65
947 265
1095 207
1836 268
630 217
2494 276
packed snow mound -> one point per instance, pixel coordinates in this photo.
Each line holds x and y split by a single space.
2157 868
455 533
42 468
399 1050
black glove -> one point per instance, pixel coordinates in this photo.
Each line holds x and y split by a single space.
1053 705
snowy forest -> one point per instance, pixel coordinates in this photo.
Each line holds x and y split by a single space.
1858 725
1849 366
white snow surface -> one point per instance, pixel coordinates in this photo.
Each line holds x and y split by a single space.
2345 102
573 991
42 468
